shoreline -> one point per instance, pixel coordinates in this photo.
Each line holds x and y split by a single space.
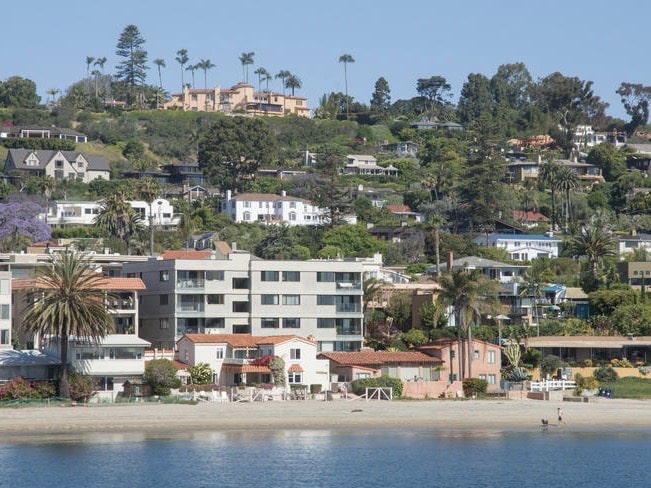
462 416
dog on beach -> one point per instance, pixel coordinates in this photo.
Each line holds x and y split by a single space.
545 422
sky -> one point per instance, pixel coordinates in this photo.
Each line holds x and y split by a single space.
402 41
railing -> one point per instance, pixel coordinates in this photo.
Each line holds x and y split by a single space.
348 307
190 283
547 385
350 285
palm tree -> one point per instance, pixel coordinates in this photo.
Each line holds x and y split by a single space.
566 182
534 279
101 62
283 74
263 74
53 93
67 302
118 218
182 58
593 241
89 61
160 63
246 59
205 65
149 190
465 291
548 174
346 58
292 82
192 68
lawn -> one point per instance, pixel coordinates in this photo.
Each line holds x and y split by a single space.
635 388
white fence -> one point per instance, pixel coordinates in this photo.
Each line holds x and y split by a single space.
547 385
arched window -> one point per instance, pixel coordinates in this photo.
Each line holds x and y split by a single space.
247 215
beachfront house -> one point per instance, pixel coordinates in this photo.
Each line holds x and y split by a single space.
244 359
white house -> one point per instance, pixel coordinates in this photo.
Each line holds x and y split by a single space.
272 209
60 165
523 247
70 213
243 358
362 164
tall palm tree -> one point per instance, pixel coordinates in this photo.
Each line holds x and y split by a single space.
101 62
119 219
89 61
283 74
192 68
593 241
149 190
346 59
67 301
466 292
160 63
566 182
53 93
534 279
182 58
205 65
263 74
548 174
246 59
293 82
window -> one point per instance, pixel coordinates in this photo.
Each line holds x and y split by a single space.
269 323
453 353
4 336
269 299
294 378
215 323
291 299
219 353
292 216
164 276
163 300
291 276
325 323
240 283
325 276
491 357
217 299
269 275
291 323
4 287
292 204
215 275
164 323
246 216
240 307
491 379
58 163
325 299
475 354
4 312
295 354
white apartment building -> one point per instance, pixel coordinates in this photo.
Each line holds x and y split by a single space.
215 292
5 310
523 247
271 209
69 213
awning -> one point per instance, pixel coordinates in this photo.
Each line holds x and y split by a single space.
295 368
245 368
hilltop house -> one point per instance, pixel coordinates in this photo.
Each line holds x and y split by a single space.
60 165
28 132
362 164
523 247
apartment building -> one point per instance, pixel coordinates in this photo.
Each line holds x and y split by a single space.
241 98
232 292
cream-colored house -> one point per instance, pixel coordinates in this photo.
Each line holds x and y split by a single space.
241 98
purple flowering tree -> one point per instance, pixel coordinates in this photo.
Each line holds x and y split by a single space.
21 223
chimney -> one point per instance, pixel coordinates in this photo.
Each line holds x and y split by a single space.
229 195
283 193
450 260
234 246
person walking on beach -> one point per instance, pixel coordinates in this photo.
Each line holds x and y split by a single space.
560 415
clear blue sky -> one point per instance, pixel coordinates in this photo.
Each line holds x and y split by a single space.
402 41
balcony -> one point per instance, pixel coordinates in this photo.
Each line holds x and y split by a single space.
349 308
348 331
190 284
349 285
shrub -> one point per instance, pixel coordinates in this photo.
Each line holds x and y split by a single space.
315 388
359 386
606 375
586 363
550 364
81 387
22 389
585 383
161 375
200 374
474 386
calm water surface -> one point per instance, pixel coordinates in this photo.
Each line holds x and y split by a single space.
294 458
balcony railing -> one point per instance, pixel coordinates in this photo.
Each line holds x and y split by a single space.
199 283
345 331
349 285
349 307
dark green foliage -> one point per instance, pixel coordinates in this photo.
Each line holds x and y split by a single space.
604 302
18 92
474 386
550 364
133 150
606 375
359 386
160 374
36 143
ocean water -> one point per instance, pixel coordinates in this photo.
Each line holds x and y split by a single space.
296 458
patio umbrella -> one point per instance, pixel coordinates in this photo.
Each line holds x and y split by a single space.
499 319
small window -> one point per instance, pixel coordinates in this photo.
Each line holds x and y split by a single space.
491 357
246 216
325 299
325 276
215 323
164 276
295 354
269 299
295 378
269 323
291 323
269 275
164 323
240 283
215 299
240 307
476 355
219 353
291 299
291 276
215 275
325 323
163 300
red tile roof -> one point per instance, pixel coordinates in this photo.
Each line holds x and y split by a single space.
529 216
240 340
245 368
186 254
378 358
399 209
295 368
113 284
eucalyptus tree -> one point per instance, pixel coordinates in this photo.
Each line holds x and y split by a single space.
182 58
160 63
246 59
346 59
67 301
381 98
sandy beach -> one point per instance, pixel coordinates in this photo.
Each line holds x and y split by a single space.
466 415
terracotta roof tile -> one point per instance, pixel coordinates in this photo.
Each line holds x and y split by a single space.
374 358
108 283
295 368
186 254
245 368
240 340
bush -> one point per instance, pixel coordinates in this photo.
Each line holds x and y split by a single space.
586 363
315 388
474 386
201 374
550 364
585 383
606 375
22 389
161 375
359 386
81 387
